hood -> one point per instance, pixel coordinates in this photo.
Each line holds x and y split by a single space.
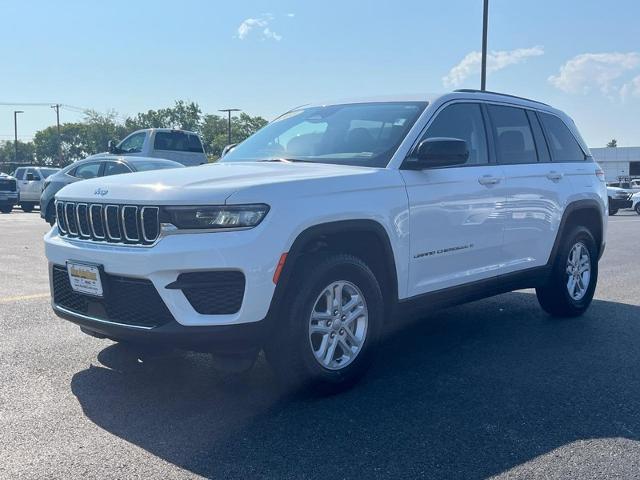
206 184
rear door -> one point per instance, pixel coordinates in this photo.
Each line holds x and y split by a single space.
456 212
533 187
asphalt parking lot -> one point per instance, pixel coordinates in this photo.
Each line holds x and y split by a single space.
490 389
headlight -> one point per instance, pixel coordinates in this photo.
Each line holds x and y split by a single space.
215 217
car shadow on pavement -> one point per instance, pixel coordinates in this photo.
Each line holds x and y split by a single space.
467 392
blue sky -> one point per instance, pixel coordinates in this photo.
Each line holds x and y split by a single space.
268 56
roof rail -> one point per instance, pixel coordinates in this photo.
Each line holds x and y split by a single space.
471 90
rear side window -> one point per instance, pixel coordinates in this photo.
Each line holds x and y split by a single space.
538 135
19 174
177 142
512 134
463 121
88 170
115 168
564 147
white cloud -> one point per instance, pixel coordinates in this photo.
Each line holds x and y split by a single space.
631 88
291 15
259 25
602 71
496 60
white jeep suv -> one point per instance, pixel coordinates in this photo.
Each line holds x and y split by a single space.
330 221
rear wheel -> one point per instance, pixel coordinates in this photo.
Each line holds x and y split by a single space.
332 317
637 209
27 207
6 209
612 211
573 278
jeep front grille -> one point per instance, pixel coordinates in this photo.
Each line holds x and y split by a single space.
98 222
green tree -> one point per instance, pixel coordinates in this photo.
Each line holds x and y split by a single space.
183 115
613 143
26 152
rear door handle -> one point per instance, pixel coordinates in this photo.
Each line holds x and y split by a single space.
554 176
488 180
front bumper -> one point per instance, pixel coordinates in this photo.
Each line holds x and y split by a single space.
223 339
8 198
182 253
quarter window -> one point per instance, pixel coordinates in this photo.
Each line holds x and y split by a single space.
463 121
512 134
562 143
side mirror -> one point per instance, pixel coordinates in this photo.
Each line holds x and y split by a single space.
111 146
438 152
30 177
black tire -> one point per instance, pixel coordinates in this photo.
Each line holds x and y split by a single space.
638 208
612 211
554 298
27 207
290 352
6 209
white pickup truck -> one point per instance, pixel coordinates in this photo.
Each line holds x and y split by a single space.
180 146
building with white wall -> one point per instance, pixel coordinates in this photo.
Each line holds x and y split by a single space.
618 163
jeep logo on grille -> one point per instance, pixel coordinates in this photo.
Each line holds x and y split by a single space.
100 192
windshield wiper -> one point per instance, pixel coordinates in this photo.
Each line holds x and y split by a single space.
285 160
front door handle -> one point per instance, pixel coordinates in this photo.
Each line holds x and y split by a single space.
554 176
488 180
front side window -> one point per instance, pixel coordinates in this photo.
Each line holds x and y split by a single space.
34 172
562 143
464 122
115 168
362 134
132 144
512 134
87 170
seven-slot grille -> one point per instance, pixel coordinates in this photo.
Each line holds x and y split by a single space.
127 224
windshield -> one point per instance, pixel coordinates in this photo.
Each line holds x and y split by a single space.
151 165
362 134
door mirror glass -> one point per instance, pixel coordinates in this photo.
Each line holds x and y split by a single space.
439 152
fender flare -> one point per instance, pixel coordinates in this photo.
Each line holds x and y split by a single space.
584 204
314 232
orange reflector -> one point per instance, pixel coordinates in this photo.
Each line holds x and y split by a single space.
279 267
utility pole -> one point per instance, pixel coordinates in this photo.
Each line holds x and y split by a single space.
485 21
56 107
15 131
229 110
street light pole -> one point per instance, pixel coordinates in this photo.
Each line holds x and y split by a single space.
56 107
15 131
485 21
229 110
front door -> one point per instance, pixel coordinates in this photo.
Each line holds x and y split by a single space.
456 213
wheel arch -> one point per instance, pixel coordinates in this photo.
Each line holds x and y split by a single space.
585 212
343 236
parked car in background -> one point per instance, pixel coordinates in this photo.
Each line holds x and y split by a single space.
632 186
635 202
180 146
92 167
619 198
8 192
30 184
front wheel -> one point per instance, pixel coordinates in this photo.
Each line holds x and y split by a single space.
331 320
574 276
637 209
